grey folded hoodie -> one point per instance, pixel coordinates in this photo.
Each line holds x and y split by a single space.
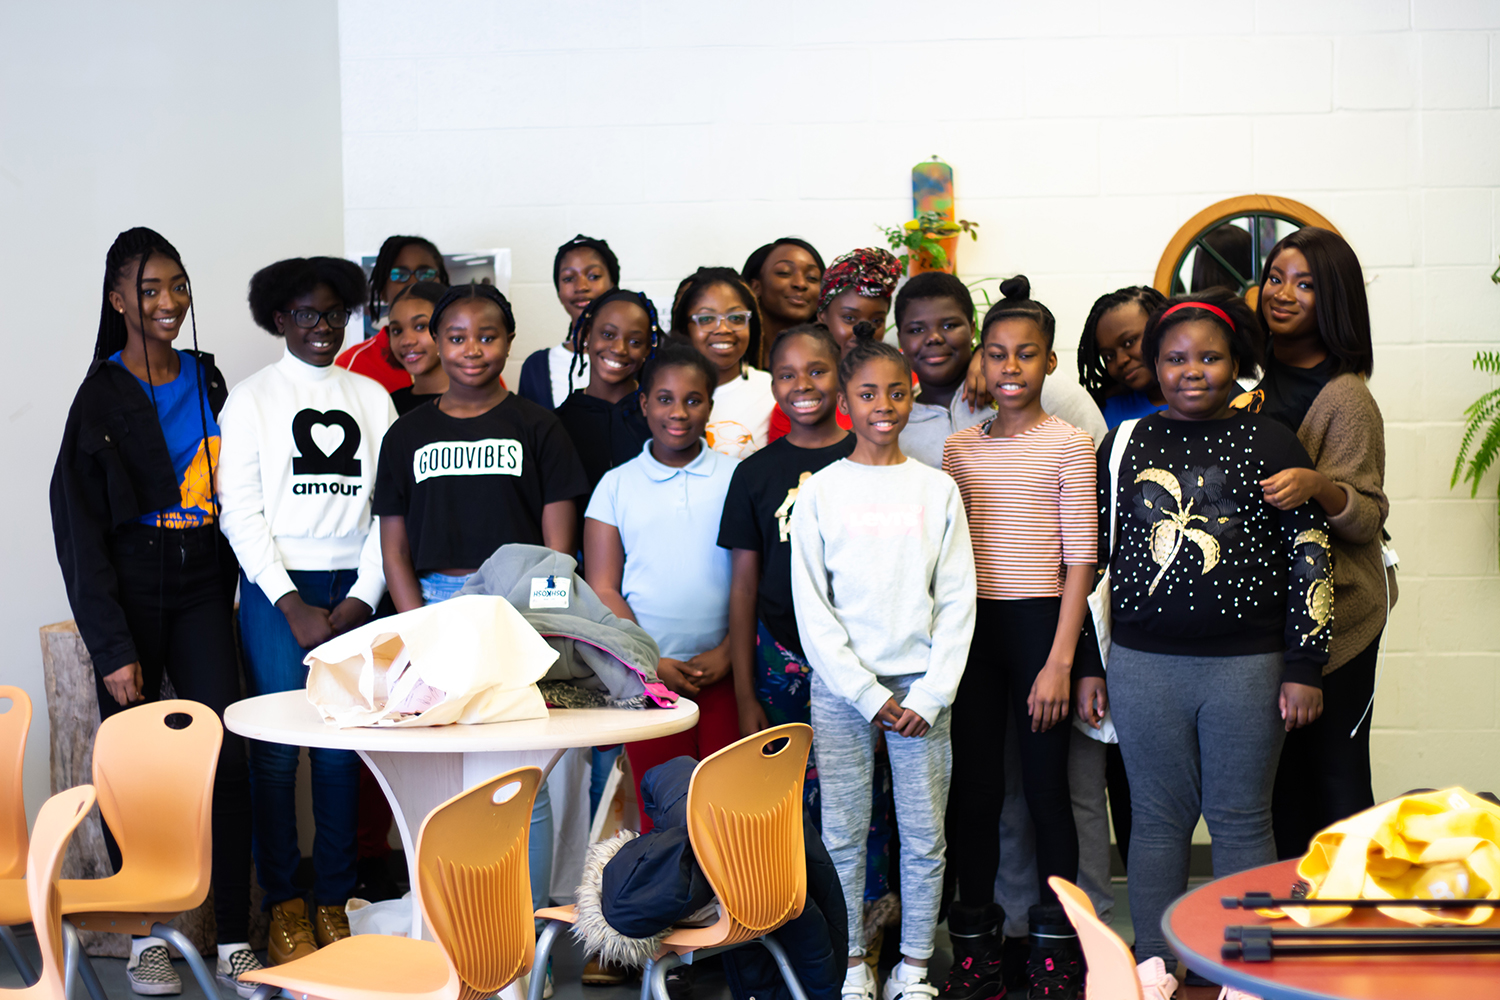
597 650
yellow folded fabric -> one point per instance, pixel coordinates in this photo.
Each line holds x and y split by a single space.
1434 845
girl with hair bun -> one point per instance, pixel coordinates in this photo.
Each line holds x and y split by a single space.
149 577
1221 604
1312 302
887 643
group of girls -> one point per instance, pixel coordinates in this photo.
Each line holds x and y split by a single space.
896 545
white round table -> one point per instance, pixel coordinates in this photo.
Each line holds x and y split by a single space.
422 767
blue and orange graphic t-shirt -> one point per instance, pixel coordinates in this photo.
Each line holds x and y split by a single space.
182 423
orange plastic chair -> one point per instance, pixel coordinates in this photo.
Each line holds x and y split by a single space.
154 773
55 823
745 824
474 888
1112 974
15 723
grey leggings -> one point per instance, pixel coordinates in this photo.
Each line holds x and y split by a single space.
920 769
1200 734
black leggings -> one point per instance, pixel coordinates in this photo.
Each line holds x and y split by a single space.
1010 647
177 589
1324 775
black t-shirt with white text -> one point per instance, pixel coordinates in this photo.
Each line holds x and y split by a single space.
757 516
468 485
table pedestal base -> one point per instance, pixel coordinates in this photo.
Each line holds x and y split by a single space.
417 783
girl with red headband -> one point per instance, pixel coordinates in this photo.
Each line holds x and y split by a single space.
1221 604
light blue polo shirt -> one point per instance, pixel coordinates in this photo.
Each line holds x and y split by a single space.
676 577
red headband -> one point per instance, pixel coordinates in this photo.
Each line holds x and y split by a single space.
1200 305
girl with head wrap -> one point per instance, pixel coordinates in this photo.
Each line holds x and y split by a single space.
857 288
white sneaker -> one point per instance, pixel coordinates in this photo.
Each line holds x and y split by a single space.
150 973
859 984
240 962
909 982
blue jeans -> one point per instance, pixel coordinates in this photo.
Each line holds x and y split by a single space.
437 588
273 663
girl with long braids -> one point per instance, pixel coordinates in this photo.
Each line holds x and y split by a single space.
149 577
1110 365
402 262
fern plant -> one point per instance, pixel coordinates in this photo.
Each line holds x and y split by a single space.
1482 432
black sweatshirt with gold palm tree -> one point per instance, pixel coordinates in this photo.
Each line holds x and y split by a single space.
1204 566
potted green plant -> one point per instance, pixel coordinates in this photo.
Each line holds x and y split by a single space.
928 242
1481 442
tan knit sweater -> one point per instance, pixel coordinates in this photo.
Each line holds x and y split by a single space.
1344 434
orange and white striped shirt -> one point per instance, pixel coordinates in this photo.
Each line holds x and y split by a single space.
1031 505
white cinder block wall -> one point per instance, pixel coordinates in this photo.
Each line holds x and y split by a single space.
1082 135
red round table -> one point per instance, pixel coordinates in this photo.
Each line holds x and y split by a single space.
1195 924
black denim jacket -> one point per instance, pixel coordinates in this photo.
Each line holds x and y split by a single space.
113 467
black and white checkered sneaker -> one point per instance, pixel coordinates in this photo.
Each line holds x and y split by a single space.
151 974
236 965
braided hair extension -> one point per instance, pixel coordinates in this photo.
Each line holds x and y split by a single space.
578 333
140 244
864 347
700 281
386 259
1091 371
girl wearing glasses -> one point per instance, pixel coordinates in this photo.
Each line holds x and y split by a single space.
402 262
716 314
301 445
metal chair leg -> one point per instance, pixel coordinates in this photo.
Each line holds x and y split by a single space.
785 965
265 991
195 961
658 970
78 965
646 978
537 983
17 956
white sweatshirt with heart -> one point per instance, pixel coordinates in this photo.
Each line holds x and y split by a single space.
298 453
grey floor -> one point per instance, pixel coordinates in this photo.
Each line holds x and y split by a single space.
566 968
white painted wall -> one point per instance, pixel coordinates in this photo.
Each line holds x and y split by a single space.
215 124
1082 135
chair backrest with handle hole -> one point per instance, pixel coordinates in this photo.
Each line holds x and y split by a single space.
15 723
1112 974
154 770
745 824
55 823
474 883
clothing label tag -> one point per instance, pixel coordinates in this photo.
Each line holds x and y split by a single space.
550 591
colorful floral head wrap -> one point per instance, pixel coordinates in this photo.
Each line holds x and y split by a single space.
871 272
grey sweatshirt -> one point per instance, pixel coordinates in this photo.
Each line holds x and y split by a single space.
883 582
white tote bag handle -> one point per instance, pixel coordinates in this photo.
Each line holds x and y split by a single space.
1099 598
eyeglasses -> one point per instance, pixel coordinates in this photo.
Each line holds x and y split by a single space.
735 320
421 273
309 318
